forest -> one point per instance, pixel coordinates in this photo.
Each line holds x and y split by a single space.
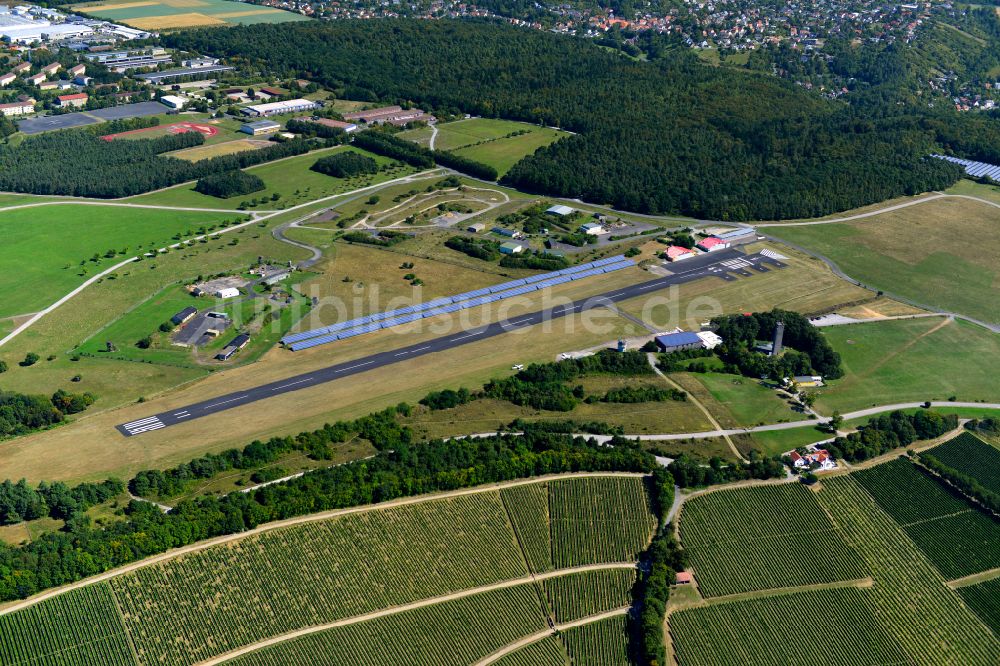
668 136
21 413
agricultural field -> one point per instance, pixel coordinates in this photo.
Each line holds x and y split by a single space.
603 643
216 150
604 519
907 493
156 15
984 600
546 652
577 596
889 362
839 626
528 510
290 178
789 542
499 143
52 247
972 456
920 253
220 598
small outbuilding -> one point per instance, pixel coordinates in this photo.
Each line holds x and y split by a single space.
593 229
712 243
475 228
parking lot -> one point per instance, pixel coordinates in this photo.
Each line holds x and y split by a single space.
82 119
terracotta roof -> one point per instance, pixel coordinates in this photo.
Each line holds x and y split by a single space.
69 98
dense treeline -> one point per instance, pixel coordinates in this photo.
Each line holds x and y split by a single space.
404 470
891 431
334 135
806 350
384 238
477 248
446 399
536 261
965 483
229 184
668 136
19 501
21 413
635 394
691 472
78 163
345 165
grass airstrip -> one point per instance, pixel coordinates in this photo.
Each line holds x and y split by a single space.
176 14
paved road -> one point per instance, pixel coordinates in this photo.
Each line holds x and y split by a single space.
700 267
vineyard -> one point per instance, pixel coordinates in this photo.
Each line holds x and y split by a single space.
603 643
600 519
546 652
455 633
207 602
835 627
764 537
579 595
927 618
79 628
528 508
972 456
984 600
954 535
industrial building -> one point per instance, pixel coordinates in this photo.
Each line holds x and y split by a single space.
277 108
394 115
233 346
592 229
678 253
157 78
711 244
227 292
671 342
122 61
330 122
259 127
183 316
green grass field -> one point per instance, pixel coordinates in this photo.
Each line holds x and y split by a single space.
488 140
290 178
941 253
224 597
749 402
43 247
171 14
911 360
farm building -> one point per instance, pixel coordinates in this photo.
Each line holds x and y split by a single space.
561 211
18 108
258 127
683 578
511 248
227 292
276 108
173 101
76 99
711 244
678 253
233 346
475 228
671 342
592 229
184 316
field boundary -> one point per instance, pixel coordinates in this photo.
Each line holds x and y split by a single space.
431 601
309 518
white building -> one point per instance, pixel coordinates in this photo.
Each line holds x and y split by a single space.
227 292
593 229
561 211
276 108
18 108
173 101
7 79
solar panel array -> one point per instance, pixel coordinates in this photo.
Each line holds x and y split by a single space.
449 304
974 169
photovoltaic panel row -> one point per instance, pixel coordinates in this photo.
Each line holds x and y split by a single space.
447 305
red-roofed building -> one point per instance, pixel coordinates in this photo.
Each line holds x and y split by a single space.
712 244
76 100
677 253
684 578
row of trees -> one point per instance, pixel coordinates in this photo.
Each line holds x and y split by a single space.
891 431
21 413
692 472
965 483
675 137
19 501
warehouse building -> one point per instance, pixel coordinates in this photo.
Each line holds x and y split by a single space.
475 228
561 211
259 127
233 346
173 101
511 248
737 234
157 78
593 229
678 253
227 292
183 316
277 108
677 341
330 122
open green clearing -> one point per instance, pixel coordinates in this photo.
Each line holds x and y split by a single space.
941 253
908 614
911 360
776 442
166 14
204 603
290 178
44 246
750 401
789 541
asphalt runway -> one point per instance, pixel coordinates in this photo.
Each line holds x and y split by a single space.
717 264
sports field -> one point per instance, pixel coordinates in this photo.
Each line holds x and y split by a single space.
51 248
343 570
941 253
911 360
175 14
499 143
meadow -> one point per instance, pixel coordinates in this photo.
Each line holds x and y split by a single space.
748 400
176 14
52 248
330 574
911 360
940 253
